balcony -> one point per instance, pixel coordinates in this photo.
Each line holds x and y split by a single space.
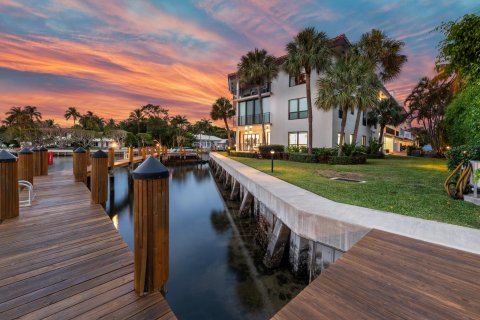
252 91
253 119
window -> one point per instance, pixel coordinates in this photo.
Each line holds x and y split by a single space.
249 111
296 80
364 141
298 139
351 139
340 113
297 109
364 119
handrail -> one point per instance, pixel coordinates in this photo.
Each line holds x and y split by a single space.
31 195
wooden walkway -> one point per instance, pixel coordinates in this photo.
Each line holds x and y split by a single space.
63 259
387 276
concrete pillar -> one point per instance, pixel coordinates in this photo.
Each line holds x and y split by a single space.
277 241
9 197
235 190
246 205
151 226
25 165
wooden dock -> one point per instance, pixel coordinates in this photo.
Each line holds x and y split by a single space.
62 258
387 276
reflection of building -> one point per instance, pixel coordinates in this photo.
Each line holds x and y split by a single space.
210 142
285 113
396 139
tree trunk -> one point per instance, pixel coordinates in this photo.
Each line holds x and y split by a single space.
357 125
228 131
380 138
264 138
310 113
342 131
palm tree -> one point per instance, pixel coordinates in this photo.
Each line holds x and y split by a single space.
73 113
33 113
179 124
155 111
346 85
137 116
387 112
15 115
256 68
310 50
223 109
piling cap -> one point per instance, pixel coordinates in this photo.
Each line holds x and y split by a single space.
43 149
6 156
35 149
25 151
150 169
80 150
99 154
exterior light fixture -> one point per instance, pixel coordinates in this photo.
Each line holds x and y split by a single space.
113 145
272 152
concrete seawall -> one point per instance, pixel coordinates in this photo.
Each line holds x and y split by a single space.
336 225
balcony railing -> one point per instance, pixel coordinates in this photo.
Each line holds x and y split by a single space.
252 91
253 119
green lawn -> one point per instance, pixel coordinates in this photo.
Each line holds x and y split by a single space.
405 185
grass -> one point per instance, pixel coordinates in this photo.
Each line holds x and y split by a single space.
405 185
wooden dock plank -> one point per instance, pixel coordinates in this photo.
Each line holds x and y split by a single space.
62 258
388 276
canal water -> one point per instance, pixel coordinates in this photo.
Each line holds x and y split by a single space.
216 269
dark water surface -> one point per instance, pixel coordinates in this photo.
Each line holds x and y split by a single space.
215 264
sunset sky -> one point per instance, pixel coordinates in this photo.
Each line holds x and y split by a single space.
113 56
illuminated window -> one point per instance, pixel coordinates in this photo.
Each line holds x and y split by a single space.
298 139
351 139
364 141
296 80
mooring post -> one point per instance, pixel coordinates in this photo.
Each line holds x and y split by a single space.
111 158
130 155
152 151
43 161
36 161
88 156
144 153
151 226
25 165
80 164
158 151
99 177
9 198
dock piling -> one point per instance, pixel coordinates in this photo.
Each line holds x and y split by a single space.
25 165
151 226
80 164
9 197
43 161
36 161
99 177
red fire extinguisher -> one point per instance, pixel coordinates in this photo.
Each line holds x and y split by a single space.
50 157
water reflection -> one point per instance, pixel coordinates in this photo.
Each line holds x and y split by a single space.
216 269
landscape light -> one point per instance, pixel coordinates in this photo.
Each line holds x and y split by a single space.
272 152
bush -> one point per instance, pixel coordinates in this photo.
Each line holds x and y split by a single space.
373 146
458 154
378 155
340 160
413 148
302 157
358 159
243 154
278 148
296 149
325 151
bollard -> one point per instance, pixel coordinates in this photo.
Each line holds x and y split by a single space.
89 159
25 165
80 164
130 155
99 177
43 161
111 158
151 228
158 151
9 198
152 151
36 161
144 153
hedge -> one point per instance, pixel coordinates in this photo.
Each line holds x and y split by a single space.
268 148
457 154
243 154
302 157
340 160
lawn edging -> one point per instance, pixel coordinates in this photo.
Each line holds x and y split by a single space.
337 224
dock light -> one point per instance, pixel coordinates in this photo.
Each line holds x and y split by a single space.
272 152
113 145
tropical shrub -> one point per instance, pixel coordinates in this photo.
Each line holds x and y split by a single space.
410 150
243 154
340 160
458 154
373 147
302 157
297 149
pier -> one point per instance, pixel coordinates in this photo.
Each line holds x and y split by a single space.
62 258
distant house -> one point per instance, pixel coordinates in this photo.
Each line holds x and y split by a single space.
102 143
210 142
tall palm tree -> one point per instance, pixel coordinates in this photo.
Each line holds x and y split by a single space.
179 124
33 113
310 50
223 109
256 68
155 111
346 85
387 112
137 116
73 113
15 115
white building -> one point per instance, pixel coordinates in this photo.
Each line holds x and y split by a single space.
210 142
285 113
